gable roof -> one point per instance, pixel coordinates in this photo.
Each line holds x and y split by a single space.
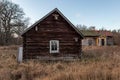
47 16
90 33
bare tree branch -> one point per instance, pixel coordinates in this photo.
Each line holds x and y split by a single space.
11 19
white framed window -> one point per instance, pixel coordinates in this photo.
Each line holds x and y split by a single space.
54 46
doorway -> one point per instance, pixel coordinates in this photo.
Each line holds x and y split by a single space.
102 42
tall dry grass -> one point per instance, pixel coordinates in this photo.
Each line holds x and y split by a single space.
97 63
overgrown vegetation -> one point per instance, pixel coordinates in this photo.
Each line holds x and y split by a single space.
97 63
116 38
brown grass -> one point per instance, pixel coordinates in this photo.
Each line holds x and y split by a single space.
97 63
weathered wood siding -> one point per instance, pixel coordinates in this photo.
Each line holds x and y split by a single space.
36 43
89 41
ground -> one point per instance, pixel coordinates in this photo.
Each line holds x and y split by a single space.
97 63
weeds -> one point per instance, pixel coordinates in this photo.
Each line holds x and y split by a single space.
98 63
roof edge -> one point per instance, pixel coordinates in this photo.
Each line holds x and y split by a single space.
47 16
27 29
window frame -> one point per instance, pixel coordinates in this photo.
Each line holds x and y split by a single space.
50 43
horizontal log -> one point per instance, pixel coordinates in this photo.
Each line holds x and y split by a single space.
36 43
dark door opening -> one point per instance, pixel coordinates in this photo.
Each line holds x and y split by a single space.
102 42
89 42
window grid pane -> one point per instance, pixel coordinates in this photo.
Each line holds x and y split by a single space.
54 44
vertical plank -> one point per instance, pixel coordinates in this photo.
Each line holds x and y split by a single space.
20 54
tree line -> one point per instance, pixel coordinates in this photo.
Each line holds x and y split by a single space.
12 22
84 27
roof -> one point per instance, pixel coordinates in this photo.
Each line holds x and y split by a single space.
90 33
47 16
105 33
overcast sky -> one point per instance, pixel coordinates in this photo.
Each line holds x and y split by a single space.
99 13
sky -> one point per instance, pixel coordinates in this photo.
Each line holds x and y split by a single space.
100 13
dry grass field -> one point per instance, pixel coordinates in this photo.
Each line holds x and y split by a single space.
97 63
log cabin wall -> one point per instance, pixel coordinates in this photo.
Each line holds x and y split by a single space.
36 40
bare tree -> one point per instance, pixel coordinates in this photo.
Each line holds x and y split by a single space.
11 19
82 27
20 26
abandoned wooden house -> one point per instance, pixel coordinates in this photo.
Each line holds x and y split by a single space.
105 38
52 36
97 38
90 38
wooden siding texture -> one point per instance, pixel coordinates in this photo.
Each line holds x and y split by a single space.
36 43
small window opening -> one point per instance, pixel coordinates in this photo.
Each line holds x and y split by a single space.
36 28
54 46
